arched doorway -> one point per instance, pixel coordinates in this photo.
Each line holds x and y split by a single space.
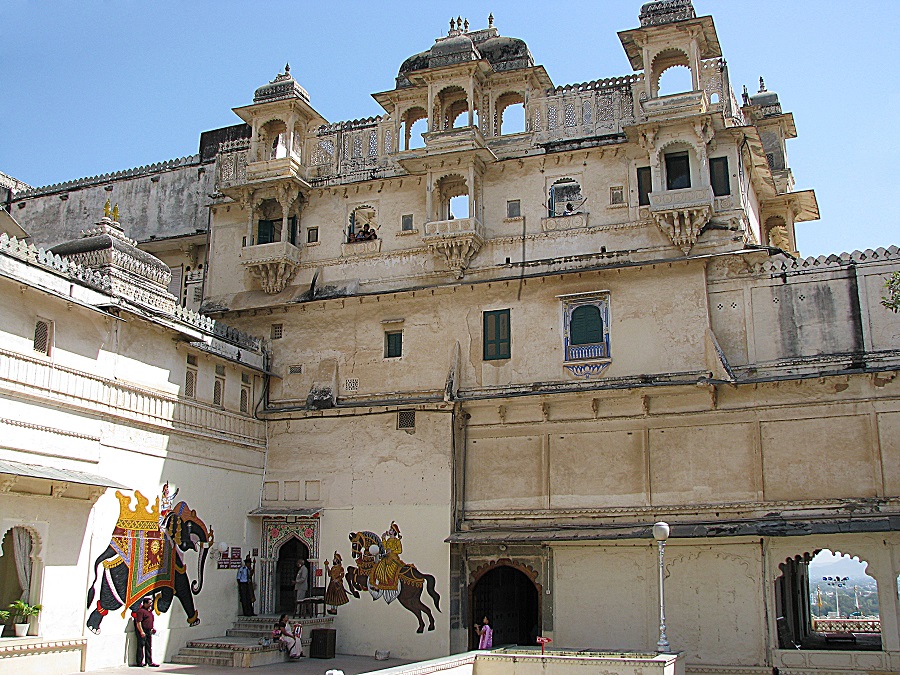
285 571
510 600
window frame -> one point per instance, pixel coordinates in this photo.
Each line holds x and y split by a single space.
393 344
503 340
644 180
407 218
517 208
589 358
312 235
669 159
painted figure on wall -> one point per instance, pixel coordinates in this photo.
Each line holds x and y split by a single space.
335 595
145 558
380 571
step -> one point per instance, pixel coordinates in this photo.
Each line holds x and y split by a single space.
227 662
205 651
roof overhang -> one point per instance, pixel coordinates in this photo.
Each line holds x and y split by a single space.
273 512
706 38
54 474
803 204
10 225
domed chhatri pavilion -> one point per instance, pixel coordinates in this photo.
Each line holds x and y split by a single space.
477 345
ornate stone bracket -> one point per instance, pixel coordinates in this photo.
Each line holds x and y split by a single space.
587 370
273 265
458 241
681 214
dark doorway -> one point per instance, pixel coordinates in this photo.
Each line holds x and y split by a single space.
510 601
285 572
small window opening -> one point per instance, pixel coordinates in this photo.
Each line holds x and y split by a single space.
363 225
245 399
718 176
678 171
296 369
645 185
312 235
351 384
616 195
277 331
513 208
414 123
406 222
192 360
565 198
393 344
511 113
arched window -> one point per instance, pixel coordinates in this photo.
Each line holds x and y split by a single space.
586 326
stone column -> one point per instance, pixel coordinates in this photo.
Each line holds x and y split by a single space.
886 576
470 94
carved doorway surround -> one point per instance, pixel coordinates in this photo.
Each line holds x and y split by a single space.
276 531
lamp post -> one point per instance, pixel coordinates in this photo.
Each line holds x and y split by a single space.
661 533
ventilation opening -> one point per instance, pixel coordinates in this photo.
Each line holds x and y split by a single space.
219 393
406 419
245 399
190 384
296 369
277 331
42 337
351 384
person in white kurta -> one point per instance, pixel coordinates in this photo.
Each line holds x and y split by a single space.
301 583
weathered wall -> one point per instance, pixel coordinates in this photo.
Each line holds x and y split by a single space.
160 200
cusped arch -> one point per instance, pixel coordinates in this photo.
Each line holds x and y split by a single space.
37 542
662 61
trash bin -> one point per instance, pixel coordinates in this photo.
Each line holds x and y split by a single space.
322 646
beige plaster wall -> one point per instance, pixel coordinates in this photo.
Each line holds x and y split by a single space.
684 446
606 597
369 474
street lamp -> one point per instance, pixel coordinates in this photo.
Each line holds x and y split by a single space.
661 533
836 582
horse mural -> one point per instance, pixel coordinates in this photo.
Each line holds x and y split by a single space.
145 557
380 571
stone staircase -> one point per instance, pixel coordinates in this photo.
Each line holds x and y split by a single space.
247 644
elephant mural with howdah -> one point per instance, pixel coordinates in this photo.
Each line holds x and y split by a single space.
380 571
146 558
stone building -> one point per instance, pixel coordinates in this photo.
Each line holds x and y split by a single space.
498 355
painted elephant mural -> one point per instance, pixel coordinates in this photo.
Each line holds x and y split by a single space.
380 571
145 557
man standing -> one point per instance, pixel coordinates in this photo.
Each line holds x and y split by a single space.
301 586
245 589
143 626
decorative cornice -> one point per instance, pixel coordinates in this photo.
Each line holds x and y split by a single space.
49 430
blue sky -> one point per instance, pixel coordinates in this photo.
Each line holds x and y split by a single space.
90 87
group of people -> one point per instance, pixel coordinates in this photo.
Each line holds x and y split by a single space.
365 234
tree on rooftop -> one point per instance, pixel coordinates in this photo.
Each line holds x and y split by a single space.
891 299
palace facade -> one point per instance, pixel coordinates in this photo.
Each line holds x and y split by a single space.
487 358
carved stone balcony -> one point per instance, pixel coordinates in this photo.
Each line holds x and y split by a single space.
273 265
458 241
676 105
361 248
459 138
681 214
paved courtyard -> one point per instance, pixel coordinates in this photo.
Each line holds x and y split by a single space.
350 665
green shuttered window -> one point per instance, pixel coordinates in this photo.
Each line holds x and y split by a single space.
496 335
586 327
